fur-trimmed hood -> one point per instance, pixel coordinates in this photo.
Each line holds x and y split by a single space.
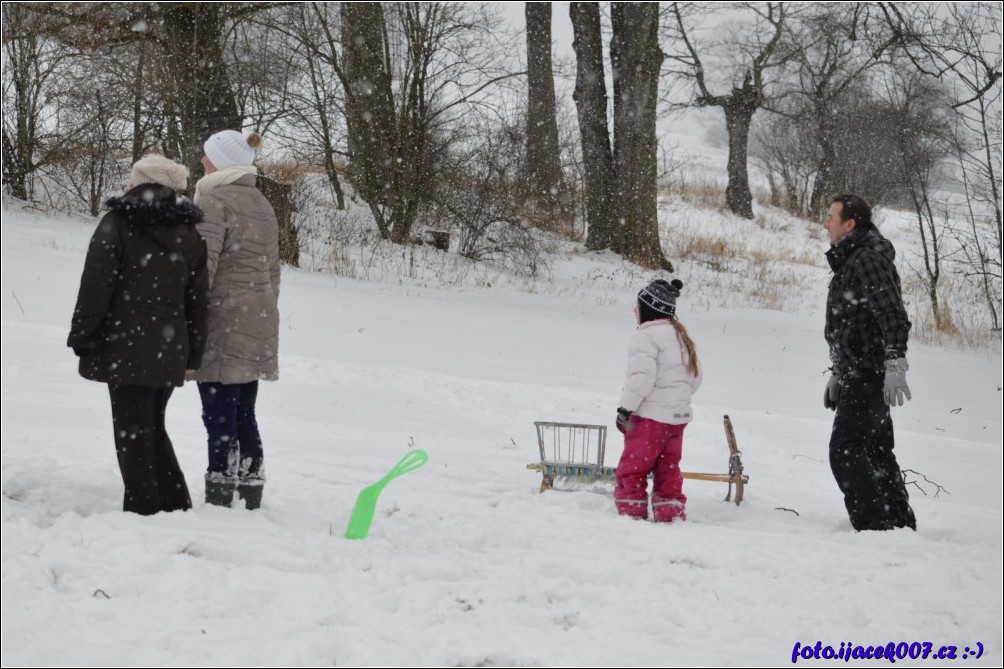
161 212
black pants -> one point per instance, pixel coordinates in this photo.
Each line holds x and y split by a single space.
150 471
861 456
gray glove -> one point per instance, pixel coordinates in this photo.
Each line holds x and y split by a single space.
895 386
832 392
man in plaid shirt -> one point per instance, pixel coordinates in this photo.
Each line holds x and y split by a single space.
867 329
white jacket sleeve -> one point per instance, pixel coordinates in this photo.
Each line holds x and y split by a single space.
641 372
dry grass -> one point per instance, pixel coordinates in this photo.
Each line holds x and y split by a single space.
784 254
963 319
953 329
737 262
288 171
696 247
339 262
700 192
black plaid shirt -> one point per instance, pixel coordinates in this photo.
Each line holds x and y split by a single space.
866 323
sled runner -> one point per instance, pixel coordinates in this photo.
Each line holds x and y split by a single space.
575 452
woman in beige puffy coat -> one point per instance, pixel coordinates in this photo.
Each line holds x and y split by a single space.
242 346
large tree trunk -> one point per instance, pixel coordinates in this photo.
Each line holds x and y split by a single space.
409 147
387 140
547 186
203 96
739 110
369 110
637 59
591 107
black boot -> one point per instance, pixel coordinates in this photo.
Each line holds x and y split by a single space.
220 489
252 482
250 491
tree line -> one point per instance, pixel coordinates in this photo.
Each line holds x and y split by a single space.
425 109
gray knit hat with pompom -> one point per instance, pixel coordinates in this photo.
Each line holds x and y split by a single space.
658 299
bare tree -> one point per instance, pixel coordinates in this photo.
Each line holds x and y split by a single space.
620 185
138 90
316 127
785 149
980 250
833 47
406 75
637 59
31 64
920 137
195 93
543 164
749 90
201 94
93 113
478 195
591 107
263 67
379 178
960 45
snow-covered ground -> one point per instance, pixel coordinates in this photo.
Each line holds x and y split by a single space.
466 564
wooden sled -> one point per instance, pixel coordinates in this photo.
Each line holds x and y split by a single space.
577 452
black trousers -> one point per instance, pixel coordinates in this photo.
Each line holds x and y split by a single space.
150 471
861 456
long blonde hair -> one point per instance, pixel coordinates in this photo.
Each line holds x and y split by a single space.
687 345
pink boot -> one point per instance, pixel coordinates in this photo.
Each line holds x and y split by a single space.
666 511
634 508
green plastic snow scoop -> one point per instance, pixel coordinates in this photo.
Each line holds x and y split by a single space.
362 512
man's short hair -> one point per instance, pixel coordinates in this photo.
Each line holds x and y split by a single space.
856 208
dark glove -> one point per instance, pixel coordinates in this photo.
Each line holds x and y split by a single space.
624 422
832 392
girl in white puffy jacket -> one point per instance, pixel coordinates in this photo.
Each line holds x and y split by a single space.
663 374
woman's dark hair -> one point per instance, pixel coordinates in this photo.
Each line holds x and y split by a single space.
856 208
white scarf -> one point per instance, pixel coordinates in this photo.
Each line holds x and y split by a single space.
227 175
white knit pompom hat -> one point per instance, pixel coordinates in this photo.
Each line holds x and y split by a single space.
229 147
156 169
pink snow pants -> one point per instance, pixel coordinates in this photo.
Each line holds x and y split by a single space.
651 447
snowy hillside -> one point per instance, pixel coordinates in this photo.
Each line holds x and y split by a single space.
466 563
